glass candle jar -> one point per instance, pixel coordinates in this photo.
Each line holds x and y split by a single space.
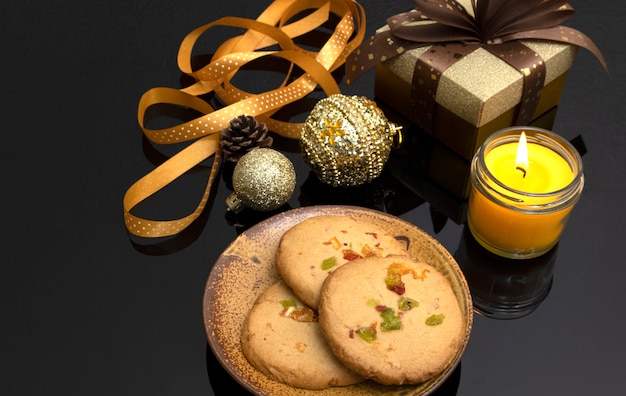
519 209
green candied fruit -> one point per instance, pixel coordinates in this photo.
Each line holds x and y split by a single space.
393 324
329 263
390 320
434 320
387 314
393 280
406 303
367 334
372 302
288 303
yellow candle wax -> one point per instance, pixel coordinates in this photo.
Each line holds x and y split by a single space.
546 171
514 217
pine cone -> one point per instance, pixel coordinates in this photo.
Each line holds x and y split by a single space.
243 134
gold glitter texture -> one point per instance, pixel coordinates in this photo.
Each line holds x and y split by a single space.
346 140
332 129
478 96
263 179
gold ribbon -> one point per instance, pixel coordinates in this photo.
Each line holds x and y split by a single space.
452 33
274 28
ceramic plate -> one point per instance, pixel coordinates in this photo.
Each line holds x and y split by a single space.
246 268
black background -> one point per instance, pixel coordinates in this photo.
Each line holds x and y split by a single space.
87 310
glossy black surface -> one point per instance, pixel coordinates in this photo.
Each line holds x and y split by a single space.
88 310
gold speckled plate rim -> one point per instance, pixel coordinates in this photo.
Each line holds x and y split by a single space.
246 268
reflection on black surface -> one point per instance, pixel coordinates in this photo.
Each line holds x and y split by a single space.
504 288
384 194
431 170
169 245
223 383
451 385
248 217
220 378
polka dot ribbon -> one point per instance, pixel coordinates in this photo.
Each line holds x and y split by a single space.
272 34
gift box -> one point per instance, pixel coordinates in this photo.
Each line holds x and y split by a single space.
464 70
476 96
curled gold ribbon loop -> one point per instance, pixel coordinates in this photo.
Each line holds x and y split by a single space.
273 28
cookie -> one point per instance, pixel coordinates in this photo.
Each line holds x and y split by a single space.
317 246
394 320
282 339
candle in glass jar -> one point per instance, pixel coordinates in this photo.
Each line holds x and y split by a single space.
529 168
523 192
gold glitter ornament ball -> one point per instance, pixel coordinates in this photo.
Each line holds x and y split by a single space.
263 179
346 140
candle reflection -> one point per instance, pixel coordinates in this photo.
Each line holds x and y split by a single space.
504 288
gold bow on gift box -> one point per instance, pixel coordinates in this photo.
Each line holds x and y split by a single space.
274 28
452 32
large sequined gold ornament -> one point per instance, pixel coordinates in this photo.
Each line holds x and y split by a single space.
263 179
346 140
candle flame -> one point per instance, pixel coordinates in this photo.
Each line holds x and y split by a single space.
521 160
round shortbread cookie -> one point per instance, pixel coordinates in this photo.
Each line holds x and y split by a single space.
394 320
317 246
282 339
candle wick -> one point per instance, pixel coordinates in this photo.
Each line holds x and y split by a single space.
523 171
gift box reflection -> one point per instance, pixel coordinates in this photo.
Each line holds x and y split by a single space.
433 170
504 288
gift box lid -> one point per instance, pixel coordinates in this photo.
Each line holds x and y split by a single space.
480 86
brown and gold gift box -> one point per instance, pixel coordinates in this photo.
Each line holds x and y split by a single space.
476 96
